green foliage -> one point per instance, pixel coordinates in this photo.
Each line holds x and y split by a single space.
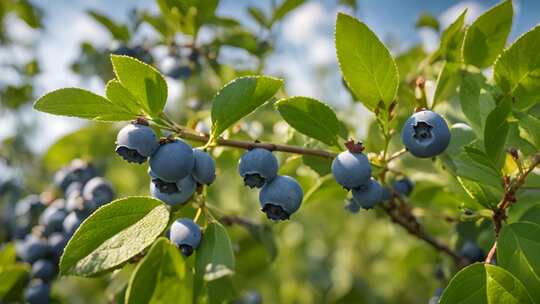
161 277
486 37
310 117
83 104
366 64
144 82
429 21
483 283
239 98
119 32
517 69
113 235
451 41
517 252
214 258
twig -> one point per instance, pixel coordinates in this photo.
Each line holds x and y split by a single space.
411 224
491 253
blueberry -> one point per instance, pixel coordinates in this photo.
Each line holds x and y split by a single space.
136 142
124 50
38 292
73 188
173 193
71 223
403 186
351 170
352 206
52 219
172 161
368 195
57 242
180 71
75 202
386 194
32 249
204 170
77 171
281 197
425 134
44 270
98 191
472 252
257 167
29 206
250 297
185 234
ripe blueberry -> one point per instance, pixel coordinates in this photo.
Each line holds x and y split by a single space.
53 217
98 191
472 252
180 71
29 206
185 234
436 297
425 134
281 197
172 161
77 171
204 170
351 170
75 202
44 270
32 249
352 206
57 242
173 193
257 167
71 223
368 195
403 186
37 292
386 194
136 142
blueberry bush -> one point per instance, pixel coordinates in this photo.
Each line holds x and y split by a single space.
243 194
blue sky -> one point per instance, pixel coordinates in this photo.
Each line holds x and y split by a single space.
305 44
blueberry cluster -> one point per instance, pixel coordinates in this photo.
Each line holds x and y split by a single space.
352 170
184 65
176 170
280 196
42 228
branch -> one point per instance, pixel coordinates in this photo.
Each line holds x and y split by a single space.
411 224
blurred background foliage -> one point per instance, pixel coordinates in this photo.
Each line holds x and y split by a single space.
323 254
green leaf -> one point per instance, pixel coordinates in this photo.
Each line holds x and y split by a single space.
479 193
258 16
144 82
486 37
310 117
318 164
28 13
517 70
366 64
286 7
221 291
239 98
460 135
427 20
161 277
517 251
409 61
529 128
469 97
11 277
215 258
120 96
496 131
263 234
8 255
447 82
114 234
83 104
484 284
240 38
451 41
119 32
531 215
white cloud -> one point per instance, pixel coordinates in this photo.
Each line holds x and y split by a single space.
430 39
474 9
321 51
304 23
